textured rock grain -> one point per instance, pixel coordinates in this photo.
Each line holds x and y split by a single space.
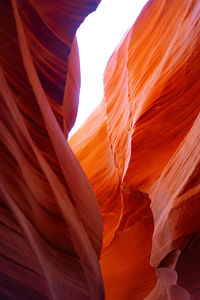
140 151
50 224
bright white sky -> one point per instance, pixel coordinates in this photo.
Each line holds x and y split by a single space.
98 37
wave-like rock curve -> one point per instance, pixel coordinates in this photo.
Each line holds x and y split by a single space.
51 231
140 151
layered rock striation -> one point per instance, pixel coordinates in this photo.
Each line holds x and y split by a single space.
50 230
140 151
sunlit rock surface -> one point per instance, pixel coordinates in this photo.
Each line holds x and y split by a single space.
50 223
140 150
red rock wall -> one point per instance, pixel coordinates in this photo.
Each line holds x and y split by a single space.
140 151
50 224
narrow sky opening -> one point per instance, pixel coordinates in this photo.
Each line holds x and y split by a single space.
98 37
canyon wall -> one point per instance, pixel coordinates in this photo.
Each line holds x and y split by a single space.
140 151
50 223
136 162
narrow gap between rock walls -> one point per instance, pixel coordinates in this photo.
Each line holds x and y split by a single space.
98 36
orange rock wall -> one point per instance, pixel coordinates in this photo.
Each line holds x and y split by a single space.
140 151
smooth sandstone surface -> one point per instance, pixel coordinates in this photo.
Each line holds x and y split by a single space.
50 223
140 151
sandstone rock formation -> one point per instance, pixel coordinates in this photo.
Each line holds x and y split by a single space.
140 150
50 230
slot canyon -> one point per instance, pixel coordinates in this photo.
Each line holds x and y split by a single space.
113 212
